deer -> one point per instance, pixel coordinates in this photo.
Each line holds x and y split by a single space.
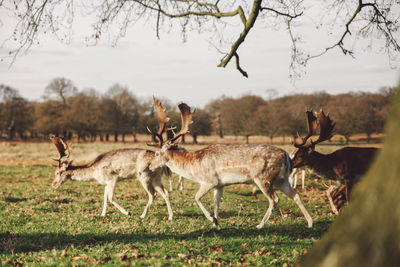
344 166
108 168
220 165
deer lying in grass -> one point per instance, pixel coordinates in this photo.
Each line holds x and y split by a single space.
217 166
108 167
345 166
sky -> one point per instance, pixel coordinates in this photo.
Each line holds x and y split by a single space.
187 71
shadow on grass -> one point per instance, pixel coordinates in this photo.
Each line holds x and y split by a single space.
34 242
15 199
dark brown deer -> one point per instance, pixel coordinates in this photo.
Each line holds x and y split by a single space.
217 166
345 166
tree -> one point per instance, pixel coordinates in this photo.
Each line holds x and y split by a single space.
367 233
202 124
238 115
60 90
84 114
270 119
345 113
15 113
372 115
120 111
348 20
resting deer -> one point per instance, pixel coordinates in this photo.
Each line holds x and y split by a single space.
217 166
345 165
108 167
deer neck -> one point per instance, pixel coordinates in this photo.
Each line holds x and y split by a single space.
181 161
81 173
322 164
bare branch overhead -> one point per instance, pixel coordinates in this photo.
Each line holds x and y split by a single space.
358 19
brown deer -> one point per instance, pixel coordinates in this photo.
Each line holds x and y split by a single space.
217 166
108 167
345 166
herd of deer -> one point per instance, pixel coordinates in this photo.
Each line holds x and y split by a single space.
217 166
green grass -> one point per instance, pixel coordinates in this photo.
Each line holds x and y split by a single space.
43 226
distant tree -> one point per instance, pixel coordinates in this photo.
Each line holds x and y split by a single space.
371 113
120 110
293 116
84 114
238 115
49 118
59 90
15 113
214 109
202 124
270 119
345 112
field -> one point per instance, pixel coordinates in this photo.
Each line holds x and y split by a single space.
43 226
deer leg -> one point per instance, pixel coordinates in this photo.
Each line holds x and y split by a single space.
290 192
303 178
180 183
217 200
169 174
329 195
111 188
150 192
204 189
254 191
158 186
103 213
271 206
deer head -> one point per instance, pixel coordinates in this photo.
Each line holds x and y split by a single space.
307 146
63 161
172 137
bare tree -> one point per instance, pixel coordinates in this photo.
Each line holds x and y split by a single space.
15 113
350 20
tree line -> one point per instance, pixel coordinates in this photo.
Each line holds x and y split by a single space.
89 115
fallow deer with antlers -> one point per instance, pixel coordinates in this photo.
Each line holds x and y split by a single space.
217 166
108 167
345 166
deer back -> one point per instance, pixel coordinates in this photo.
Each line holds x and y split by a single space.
224 160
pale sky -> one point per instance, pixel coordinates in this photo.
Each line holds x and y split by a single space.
188 71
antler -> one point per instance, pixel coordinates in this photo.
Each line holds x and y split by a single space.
186 120
62 147
311 127
162 121
326 126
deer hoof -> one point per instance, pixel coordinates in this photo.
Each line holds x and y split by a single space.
215 221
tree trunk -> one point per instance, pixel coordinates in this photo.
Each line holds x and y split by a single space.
247 138
194 139
367 233
116 137
368 137
11 130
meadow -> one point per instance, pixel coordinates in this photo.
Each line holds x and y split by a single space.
43 226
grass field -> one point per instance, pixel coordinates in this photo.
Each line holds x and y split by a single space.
43 226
